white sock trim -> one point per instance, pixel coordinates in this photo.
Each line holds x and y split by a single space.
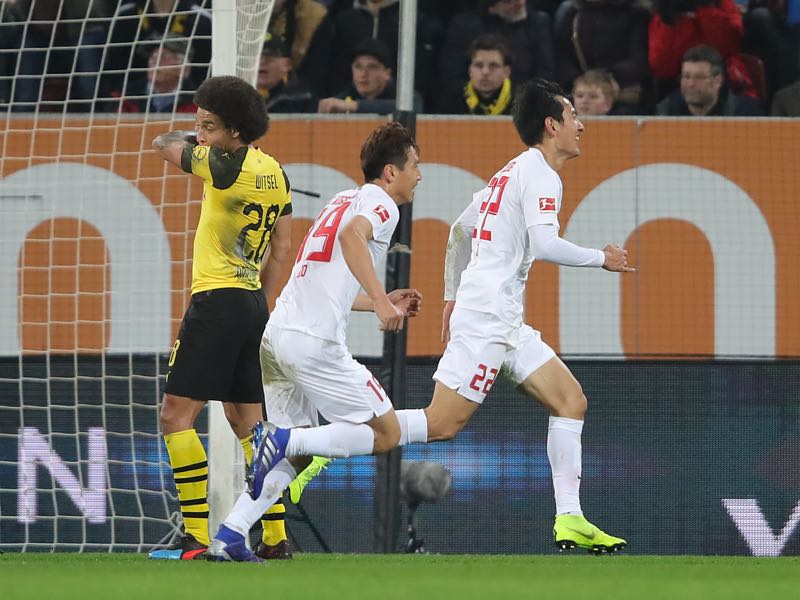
573 425
413 426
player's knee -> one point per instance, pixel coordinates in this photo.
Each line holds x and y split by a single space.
172 418
387 434
452 429
574 405
386 439
443 429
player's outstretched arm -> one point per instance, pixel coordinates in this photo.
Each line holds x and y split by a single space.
170 146
354 238
548 246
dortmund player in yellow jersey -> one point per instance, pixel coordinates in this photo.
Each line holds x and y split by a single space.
242 240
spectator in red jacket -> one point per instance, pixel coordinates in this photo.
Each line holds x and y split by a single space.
679 25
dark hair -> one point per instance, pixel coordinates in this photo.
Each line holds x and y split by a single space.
387 145
374 48
276 46
534 101
490 41
705 54
237 103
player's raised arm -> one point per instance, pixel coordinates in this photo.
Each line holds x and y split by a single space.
354 240
171 146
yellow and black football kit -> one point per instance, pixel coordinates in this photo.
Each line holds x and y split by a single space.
216 354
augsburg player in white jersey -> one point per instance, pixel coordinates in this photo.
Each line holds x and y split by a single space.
321 291
306 366
524 193
511 223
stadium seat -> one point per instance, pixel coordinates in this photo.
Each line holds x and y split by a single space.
755 68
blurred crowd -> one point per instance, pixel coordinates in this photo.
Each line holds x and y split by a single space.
619 57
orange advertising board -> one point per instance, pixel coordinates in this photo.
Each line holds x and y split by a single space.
706 209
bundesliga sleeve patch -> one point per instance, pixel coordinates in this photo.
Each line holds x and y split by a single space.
382 213
199 152
547 205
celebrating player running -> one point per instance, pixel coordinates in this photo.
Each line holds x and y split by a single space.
306 365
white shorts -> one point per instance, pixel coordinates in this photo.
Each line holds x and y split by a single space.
304 375
481 347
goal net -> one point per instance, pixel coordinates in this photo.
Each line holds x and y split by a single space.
95 257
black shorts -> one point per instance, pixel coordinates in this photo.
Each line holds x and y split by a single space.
216 354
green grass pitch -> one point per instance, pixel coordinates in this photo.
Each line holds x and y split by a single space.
386 577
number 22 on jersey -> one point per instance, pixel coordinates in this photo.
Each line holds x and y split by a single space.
490 207
325 228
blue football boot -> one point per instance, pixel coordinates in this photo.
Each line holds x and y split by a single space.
269 448
229 546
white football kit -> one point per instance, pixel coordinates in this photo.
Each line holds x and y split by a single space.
306 366
487 333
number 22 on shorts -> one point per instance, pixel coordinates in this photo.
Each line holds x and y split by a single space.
486 376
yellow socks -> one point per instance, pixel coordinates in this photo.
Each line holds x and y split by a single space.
190 470
247 448
273 524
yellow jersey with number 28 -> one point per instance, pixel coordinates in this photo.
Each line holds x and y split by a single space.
244 194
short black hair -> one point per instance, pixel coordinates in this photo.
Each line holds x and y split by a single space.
275 45
534 101
491 41
374 48
707 54
386 145
237 103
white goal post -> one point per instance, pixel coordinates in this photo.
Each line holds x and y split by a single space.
239 20
95 265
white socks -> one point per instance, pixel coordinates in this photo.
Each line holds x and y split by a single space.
564 453
247 511
337 440
340 440
413 426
